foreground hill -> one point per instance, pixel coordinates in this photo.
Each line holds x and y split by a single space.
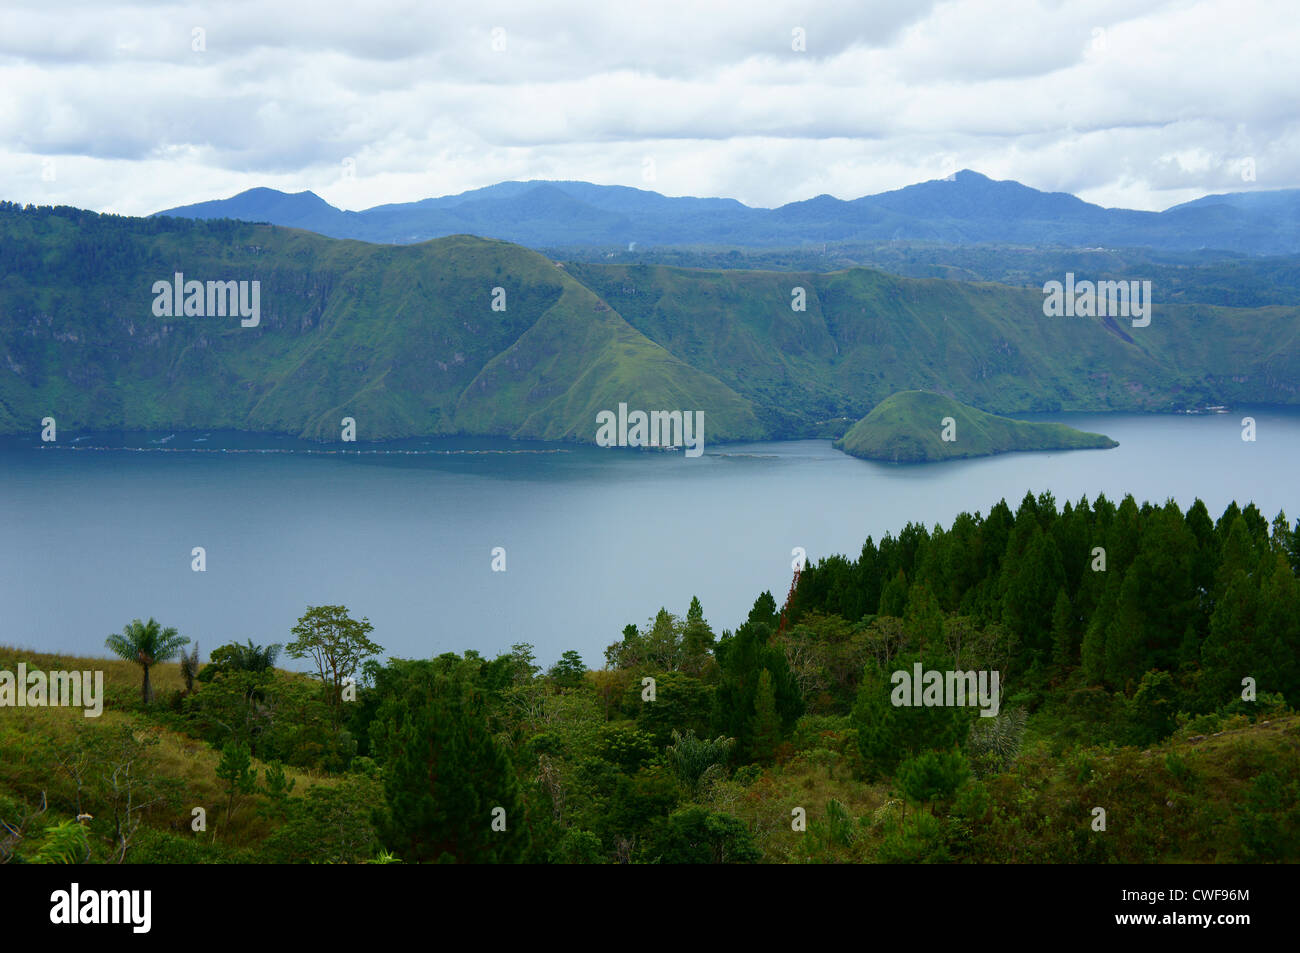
1137 711
464 335
966 207
908 428
1222 793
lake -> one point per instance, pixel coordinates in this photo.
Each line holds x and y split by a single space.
594 538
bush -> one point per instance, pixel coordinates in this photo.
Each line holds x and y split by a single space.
1180 768
1265 705
576 847
1150 714
821 731
1206 724
163 847
1269 820
920 840
932 776
694 835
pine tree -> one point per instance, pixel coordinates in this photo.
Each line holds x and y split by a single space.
445 774
1230 652
1064 647
1028 584
1126 636
698 639
663 642
893 601
888 733
1280 631
922 620
765 726
1093 652
236 769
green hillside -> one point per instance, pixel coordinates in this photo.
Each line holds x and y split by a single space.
865 335
402 339
909 428
405 339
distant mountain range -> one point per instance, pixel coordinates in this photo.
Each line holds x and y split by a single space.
474 336
967 208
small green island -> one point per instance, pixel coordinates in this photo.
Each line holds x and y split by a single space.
910 426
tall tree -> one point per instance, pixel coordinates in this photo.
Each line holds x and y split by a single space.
1028 584
765 726
893 599
445 773
146 644
888 733
569 671
1280 631
1064 644
663 642
1231 650
629 652
741 659
190 668
697 640
337 643
922 620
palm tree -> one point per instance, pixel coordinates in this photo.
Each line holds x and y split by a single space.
146 643
255 658
190 668
246 658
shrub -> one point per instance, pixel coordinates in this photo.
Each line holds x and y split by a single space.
920 840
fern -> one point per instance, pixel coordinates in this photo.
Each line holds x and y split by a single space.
65 843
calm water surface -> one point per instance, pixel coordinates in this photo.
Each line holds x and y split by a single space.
594 539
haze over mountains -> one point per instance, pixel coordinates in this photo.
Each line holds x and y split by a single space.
967 208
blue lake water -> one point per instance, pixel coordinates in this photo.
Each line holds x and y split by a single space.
593 538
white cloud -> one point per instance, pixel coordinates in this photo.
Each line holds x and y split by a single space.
1136 104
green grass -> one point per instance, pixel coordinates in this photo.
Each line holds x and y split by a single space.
909 428
866 335
402 339
34 740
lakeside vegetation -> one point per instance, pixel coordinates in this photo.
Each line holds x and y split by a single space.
1123 688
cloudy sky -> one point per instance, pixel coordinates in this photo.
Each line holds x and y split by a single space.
132 107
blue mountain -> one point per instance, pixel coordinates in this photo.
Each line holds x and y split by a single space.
966 208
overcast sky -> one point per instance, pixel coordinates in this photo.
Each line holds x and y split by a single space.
133 107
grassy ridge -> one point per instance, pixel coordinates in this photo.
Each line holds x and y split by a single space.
866 334
403 339
36 745
1184 800
908 428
